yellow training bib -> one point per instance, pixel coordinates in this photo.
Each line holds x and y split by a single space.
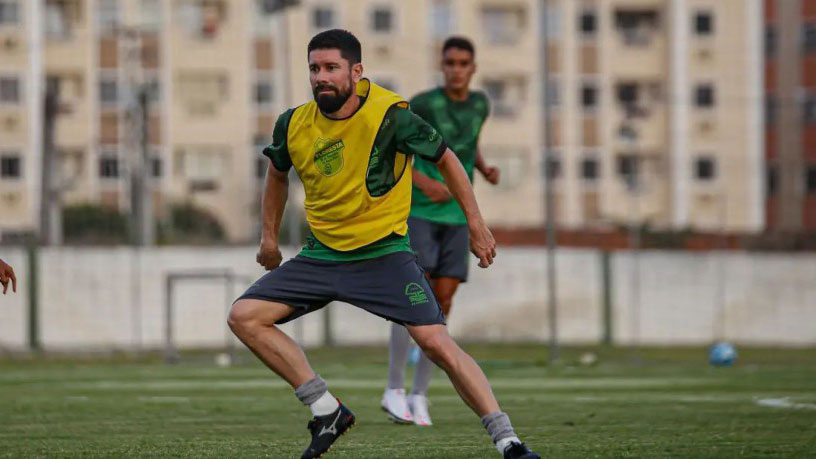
333 159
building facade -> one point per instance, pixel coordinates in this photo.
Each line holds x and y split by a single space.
655 105
790 134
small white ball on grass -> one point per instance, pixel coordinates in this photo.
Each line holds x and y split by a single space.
223 360
588 359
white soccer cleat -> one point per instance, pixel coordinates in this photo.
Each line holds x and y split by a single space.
395 405
419 408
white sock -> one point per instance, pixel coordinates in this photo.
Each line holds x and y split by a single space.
326 404
502 444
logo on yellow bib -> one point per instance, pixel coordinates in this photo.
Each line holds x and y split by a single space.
328 156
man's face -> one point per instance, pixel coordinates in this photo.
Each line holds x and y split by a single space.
458 68
332 78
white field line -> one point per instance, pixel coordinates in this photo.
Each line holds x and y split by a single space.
785 402
270 383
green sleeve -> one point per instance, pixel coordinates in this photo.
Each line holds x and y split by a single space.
419 107
278 151
417 137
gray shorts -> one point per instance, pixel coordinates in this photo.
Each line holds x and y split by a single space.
393 287
442 250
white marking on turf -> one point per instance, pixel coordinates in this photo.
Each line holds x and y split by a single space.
166 399
785 402
270 383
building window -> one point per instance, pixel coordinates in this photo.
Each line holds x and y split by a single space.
637 27
152 88
506 95
156 169
809 108
705 168
771 180
151 12
9 90
202 18
10 167
109 167
810 179
809 37
628 168
322 18
771 38
61 16
9 12
503 26
553 20
552 166
704 23
202 93
202 163
627 94
108 91
108 15
553 92
263 93
771 107
441 19
704 96
588 23
589 96
589 169
382 20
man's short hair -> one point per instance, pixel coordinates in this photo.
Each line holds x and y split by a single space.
460 43
340 39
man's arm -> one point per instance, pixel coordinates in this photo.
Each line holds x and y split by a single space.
482 243
490 173
273 201
6 275
435 190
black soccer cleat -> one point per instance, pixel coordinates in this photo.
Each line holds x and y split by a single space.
517 450
326 430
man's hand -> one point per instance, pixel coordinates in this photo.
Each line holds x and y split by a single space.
6 275
491 174
269 256
436 191
482 244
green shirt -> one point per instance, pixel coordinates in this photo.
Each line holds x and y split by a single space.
406 133
459 123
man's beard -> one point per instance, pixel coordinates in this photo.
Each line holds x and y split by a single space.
330 103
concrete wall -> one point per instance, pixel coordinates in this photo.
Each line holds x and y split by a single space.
114 298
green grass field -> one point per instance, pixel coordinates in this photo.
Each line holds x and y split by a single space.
654 403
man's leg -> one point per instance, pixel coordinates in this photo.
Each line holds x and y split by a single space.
465 375
471 383
426 248
254 323
444 288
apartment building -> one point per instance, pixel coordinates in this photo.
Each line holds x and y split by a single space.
790 133
653 102
655 117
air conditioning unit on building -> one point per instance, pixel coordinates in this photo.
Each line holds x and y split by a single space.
705 127
10 43
9 122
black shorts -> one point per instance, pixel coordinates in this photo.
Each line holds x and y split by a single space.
442 250
393 287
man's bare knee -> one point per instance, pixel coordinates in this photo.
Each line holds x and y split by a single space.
439 347
249 313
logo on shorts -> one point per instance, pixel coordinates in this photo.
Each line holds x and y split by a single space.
328 157
415 293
